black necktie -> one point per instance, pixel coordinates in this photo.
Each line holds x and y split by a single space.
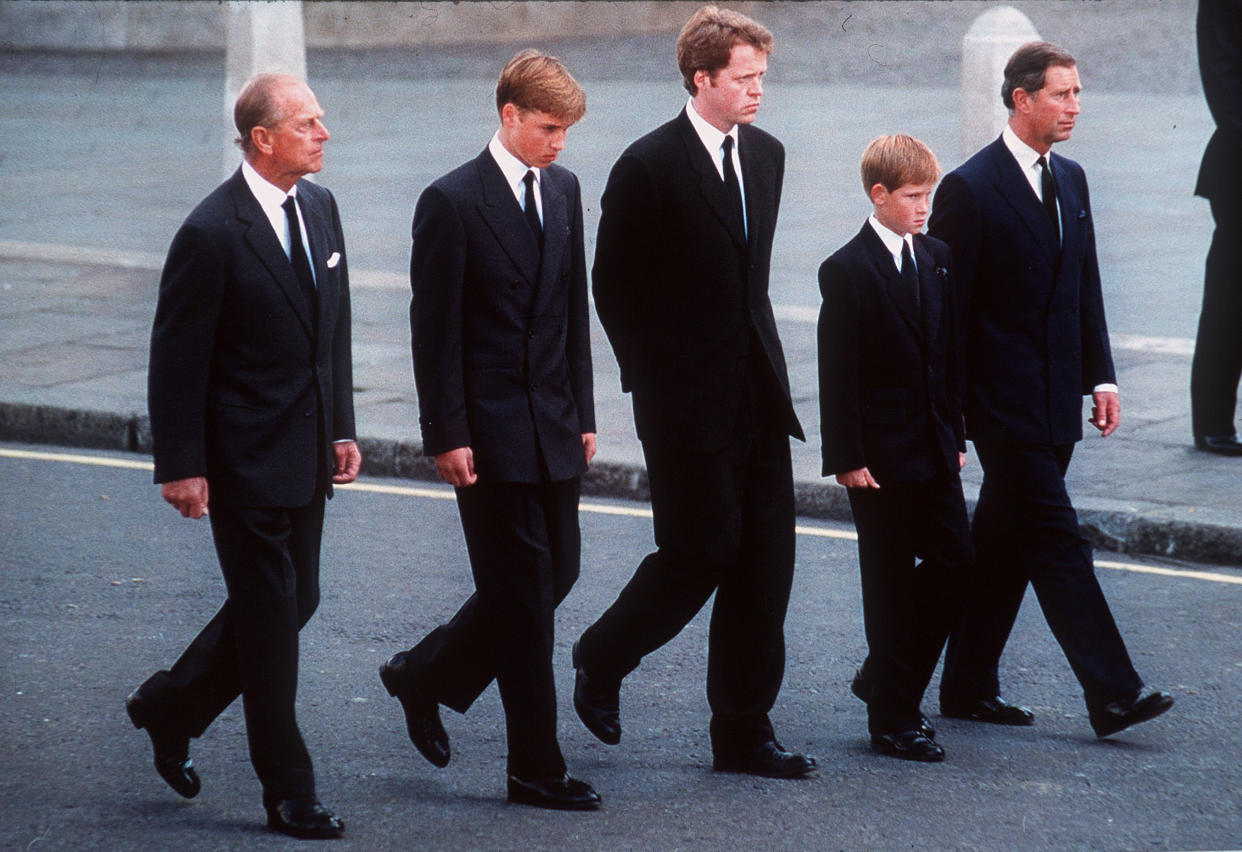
532 211
297 255
1049 187
732 185
910 277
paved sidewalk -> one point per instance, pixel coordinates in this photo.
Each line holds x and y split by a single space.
101 157
73 351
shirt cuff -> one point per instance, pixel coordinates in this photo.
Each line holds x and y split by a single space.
1104 388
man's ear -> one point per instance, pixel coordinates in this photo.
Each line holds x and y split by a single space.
261 138
878 195
1022 100
510 114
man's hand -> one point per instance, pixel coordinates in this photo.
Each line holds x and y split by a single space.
348 461
961 460
187 496
860 478
456 467
588 445
1105 412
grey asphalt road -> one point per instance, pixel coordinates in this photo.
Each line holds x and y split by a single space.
100 583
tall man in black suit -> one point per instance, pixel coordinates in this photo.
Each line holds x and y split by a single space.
681 286
502 361
1018 220
252 417
1217 364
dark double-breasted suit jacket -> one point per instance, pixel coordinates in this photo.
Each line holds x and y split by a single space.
502 351
889 372
891 401
250 382
245 386
502 363
1036 338
1036 343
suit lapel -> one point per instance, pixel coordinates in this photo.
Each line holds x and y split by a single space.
503 215
886 270
757 185
711 185
1016 190
931 288
555 236
266 246
317 218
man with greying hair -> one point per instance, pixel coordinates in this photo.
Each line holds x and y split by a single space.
252 420
1018 220
681 287
502 362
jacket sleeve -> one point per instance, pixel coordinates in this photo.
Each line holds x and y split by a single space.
1097 357
437 273
839 343
578 335
182 340
626 213
343 427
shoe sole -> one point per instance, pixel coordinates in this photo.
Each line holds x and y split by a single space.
1156 708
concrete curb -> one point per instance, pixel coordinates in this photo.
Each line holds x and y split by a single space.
1138 531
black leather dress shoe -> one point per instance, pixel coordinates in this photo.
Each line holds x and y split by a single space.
766 759
1222 445
172 753
863 688
996 710
422 719
908 745
303 817
1119 715
598 706
560 793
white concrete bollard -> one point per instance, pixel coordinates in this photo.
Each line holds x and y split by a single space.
261 37
986 47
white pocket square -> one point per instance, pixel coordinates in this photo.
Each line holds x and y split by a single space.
334 260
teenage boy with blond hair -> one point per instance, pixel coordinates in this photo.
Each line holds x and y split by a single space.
891 420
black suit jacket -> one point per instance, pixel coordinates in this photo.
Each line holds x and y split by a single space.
1036 339
890 385
502 349
245 387
680 290
1219 33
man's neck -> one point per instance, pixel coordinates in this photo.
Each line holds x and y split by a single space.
1029 139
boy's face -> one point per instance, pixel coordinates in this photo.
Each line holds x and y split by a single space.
533 136
905 209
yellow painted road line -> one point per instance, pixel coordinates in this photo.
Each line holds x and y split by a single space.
446 493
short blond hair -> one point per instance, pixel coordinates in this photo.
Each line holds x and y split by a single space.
706 42
896 160
535 81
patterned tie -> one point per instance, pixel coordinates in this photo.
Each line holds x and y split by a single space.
297 256
732 185
530 209
1049 187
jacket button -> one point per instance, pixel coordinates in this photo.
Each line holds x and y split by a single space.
531 335
308 413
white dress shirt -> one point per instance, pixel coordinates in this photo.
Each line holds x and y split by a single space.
893 241
713 141
270 198
515 171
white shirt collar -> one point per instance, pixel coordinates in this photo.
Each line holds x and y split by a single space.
710 136
514 169
270 197
1028 160
891 239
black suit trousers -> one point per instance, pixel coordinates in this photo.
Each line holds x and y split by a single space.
1026 530
270 562
1217 364
724 523
908 608
524 544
